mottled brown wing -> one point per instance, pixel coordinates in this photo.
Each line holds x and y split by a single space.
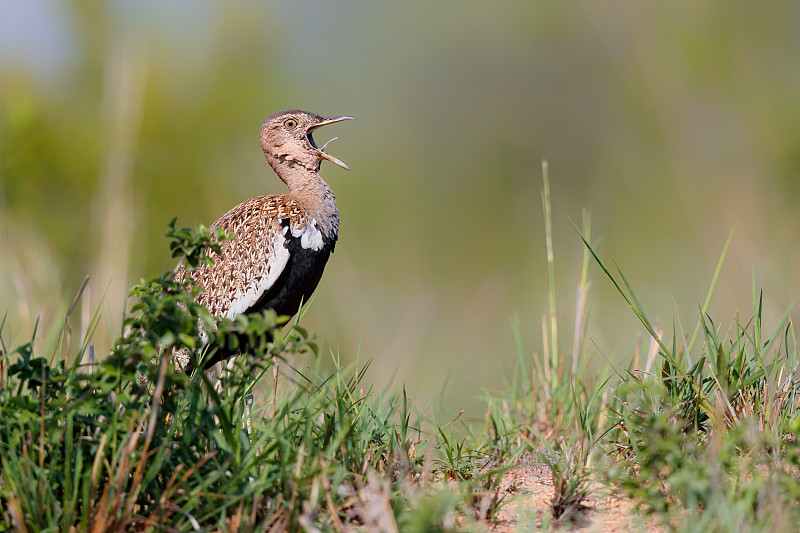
249 266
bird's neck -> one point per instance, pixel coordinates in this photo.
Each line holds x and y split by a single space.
311 191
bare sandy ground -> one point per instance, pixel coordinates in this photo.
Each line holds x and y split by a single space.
529 490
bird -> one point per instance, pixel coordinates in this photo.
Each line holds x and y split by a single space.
282 242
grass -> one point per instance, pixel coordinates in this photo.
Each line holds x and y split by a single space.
700 431
94 447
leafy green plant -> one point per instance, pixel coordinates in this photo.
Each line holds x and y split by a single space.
93 447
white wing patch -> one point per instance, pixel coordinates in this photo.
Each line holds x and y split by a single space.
310 236
276 261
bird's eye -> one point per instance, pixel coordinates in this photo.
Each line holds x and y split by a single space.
290 123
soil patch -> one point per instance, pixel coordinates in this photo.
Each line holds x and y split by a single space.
529 487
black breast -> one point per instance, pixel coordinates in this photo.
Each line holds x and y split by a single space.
295 285
298 280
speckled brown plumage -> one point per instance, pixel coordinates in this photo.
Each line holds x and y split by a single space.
283 241
245 261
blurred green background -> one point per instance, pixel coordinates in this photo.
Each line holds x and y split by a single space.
673 123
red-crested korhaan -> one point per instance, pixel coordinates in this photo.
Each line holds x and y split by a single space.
283 241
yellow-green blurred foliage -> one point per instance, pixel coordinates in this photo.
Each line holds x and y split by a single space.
673 123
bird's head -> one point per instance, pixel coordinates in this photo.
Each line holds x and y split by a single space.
287 140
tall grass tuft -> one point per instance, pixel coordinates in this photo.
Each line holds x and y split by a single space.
699 429
707 438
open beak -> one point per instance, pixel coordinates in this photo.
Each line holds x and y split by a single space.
322 152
